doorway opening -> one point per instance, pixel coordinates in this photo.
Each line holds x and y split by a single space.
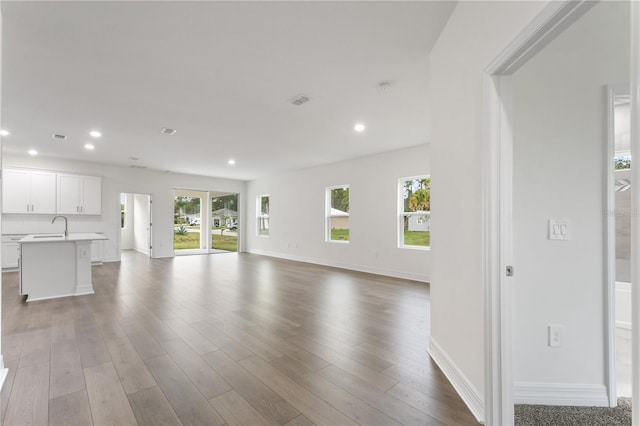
499 220
136 223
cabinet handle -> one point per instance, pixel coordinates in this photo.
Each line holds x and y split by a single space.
32 207
77 209
27 207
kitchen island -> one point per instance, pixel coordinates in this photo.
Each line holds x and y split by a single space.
55 265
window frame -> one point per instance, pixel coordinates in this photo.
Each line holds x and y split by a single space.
123 211
328 220
402 214
260 216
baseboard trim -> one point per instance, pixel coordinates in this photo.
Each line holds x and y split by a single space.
349 266
467 391
570 394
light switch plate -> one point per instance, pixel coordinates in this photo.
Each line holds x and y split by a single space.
559 229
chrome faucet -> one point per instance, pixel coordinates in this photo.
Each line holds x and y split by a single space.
66 225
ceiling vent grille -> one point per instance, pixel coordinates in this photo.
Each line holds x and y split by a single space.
299 100
168 131
58 136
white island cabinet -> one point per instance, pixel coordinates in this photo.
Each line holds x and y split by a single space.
52 265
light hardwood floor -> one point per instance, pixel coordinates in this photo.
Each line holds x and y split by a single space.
225 339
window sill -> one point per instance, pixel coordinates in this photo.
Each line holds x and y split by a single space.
421 248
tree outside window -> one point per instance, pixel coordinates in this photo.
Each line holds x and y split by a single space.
263 215
415 212
338 213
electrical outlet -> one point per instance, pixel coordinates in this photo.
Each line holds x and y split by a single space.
556 335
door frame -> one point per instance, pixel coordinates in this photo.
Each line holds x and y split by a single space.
150 207
612 91
635 207
497 200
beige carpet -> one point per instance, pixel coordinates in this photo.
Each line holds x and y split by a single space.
530 415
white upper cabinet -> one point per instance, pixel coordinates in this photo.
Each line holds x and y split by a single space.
79 194
28 191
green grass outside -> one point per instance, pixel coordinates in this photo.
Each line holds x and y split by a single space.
339 234
417 238
224 242
186 241
192 241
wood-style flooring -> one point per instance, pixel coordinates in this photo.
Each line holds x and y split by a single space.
233 339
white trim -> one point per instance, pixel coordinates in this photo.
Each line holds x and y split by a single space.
573 394
350 266
497 200
610 259
461 383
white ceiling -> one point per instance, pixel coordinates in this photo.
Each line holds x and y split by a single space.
221 74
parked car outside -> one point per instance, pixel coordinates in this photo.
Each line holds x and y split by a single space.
233 227
195 222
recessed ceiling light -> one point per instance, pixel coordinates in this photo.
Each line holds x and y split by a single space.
89 146
4 132
168 131
32 152
95 134
359 127
58 136
231 162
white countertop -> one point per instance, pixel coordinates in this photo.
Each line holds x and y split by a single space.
50 238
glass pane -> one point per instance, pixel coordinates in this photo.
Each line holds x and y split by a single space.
417 230
263 219
187 222
339 215
224 223
416 197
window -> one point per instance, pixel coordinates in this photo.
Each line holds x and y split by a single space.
338 213
414 230
262 205
123 209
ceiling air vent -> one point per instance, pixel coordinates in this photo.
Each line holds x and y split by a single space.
58 136
299 100
167 131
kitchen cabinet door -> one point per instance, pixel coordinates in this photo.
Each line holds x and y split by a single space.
68 194
91 187
43 192
28 191
16 192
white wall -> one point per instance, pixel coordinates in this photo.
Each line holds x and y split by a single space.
559 172
116 180
141 223
297 214
474 36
